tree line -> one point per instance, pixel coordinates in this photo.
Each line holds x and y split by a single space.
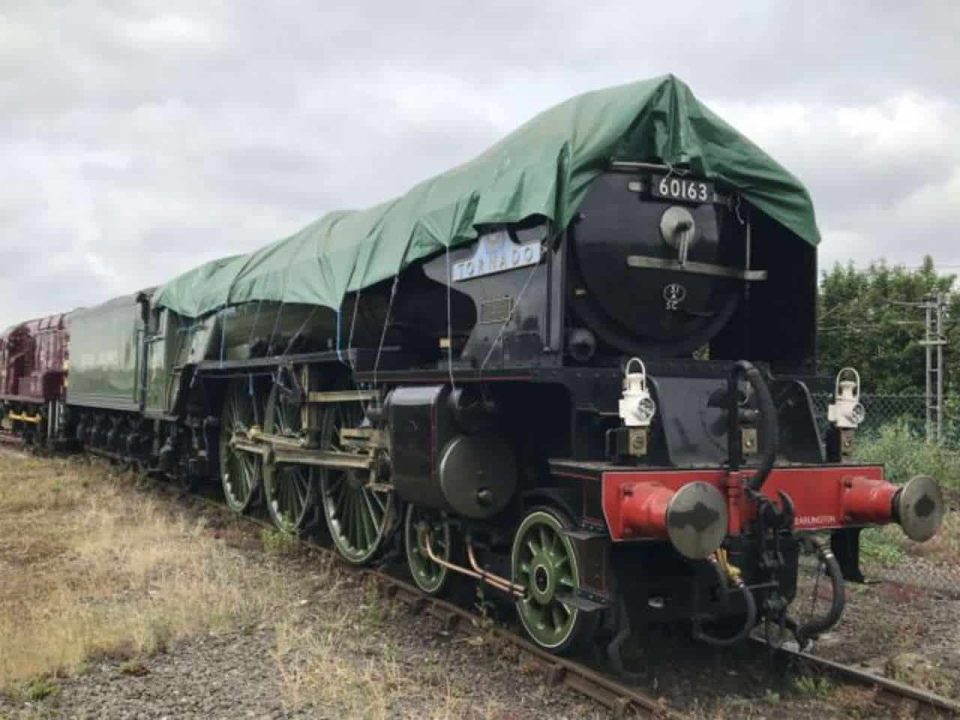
870 319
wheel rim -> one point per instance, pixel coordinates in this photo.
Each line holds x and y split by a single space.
240 472
356 515
545 564
419 525
289 489
289 497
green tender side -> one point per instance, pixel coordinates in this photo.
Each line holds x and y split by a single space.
105 355
544 168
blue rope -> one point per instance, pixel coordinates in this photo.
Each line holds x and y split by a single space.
223 336
339 354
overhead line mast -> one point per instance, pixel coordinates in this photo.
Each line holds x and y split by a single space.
934 342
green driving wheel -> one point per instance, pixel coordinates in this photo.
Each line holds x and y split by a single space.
289 490
240 472
358 515
545 564
420 526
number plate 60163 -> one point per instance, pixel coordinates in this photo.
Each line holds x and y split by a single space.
674 187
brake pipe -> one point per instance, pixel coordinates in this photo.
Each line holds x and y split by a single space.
726 572
809 630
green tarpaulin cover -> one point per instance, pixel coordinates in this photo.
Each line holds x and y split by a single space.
543 168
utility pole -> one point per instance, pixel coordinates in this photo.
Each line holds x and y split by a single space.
933 343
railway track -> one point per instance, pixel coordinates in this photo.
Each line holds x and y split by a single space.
623 700
905 700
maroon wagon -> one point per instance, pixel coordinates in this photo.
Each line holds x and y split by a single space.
33 366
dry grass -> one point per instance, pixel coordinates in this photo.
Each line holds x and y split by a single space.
344 665
92 567
322 670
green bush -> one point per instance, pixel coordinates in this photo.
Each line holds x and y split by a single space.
276 542
882 546
905 455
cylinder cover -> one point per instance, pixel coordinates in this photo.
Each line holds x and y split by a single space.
478 474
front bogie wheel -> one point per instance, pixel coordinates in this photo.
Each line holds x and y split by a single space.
545 563
427 532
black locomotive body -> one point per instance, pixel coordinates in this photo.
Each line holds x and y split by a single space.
478 398
604 421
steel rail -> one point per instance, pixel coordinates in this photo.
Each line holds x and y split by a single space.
621 699
887 690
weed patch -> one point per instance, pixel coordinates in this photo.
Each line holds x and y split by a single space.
905 455
276 542
812 686
41 688
883 545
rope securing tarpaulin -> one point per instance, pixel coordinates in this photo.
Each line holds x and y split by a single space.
544 168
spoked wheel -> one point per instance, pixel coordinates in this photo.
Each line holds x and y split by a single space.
289 490
240 472
544 562
357 516
423 525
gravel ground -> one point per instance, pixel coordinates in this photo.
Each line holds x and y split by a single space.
902 631
222 676
340 653
236 676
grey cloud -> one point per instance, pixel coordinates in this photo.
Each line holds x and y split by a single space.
148 137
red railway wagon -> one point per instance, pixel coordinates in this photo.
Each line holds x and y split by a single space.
33 369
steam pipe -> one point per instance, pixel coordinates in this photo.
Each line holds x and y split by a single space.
478 573
495 580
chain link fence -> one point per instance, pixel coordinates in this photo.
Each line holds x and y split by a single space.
894 433
883 410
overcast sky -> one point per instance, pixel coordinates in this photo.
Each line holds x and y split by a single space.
139 139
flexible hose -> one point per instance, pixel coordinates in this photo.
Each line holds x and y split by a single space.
748 623
769 427
810 630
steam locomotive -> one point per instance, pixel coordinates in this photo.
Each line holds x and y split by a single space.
598 410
